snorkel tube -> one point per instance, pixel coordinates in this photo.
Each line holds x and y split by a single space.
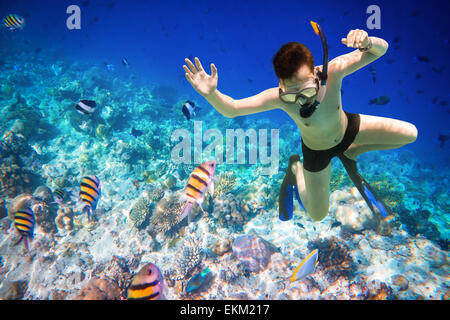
307 110
318 30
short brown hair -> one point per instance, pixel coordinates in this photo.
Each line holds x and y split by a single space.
290 57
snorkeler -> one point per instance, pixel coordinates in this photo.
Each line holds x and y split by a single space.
311 96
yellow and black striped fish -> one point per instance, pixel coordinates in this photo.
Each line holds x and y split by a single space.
90 193
147 284
14 22
24 222
199 180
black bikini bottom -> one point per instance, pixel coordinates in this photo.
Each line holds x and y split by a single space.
317 160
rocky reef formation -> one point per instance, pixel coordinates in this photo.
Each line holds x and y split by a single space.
253 252
230 211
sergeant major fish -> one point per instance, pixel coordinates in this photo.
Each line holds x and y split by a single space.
200 179
90 193
24 222
148 284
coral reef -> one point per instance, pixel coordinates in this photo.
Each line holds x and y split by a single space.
230 211
222 246
227 182
118 272
3 209
253 252
14 179
417 222
100 289
141 210
13 290
166 213
188 257
64 219
334 258
400 281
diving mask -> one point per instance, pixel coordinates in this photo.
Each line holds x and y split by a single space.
310 88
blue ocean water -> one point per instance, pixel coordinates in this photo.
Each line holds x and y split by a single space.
47 68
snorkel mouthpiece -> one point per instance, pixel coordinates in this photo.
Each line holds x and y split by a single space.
318 30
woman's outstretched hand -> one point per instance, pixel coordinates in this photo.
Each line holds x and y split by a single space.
203 83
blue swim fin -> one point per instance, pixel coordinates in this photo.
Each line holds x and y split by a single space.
287 190
367 192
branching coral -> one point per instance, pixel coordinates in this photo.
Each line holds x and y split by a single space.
227 182
140 211
189 256
166 214
334 258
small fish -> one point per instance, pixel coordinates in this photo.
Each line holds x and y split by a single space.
300 225
14 22
136 133
90 193
419 91
442 139
438 69
109 67
306 267
389 61
443 103
422 59
24 222
435 100
148 284
125 62
189 109
136 183
200 179
418 76
197 281
86 106
373 72
335 224
382 100
59 196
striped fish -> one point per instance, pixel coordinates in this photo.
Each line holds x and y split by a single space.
90 193
24 222
147 284
200 179
86 106
14 22
59 195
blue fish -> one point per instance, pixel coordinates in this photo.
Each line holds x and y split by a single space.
136 133
306 267
125 62
197 281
